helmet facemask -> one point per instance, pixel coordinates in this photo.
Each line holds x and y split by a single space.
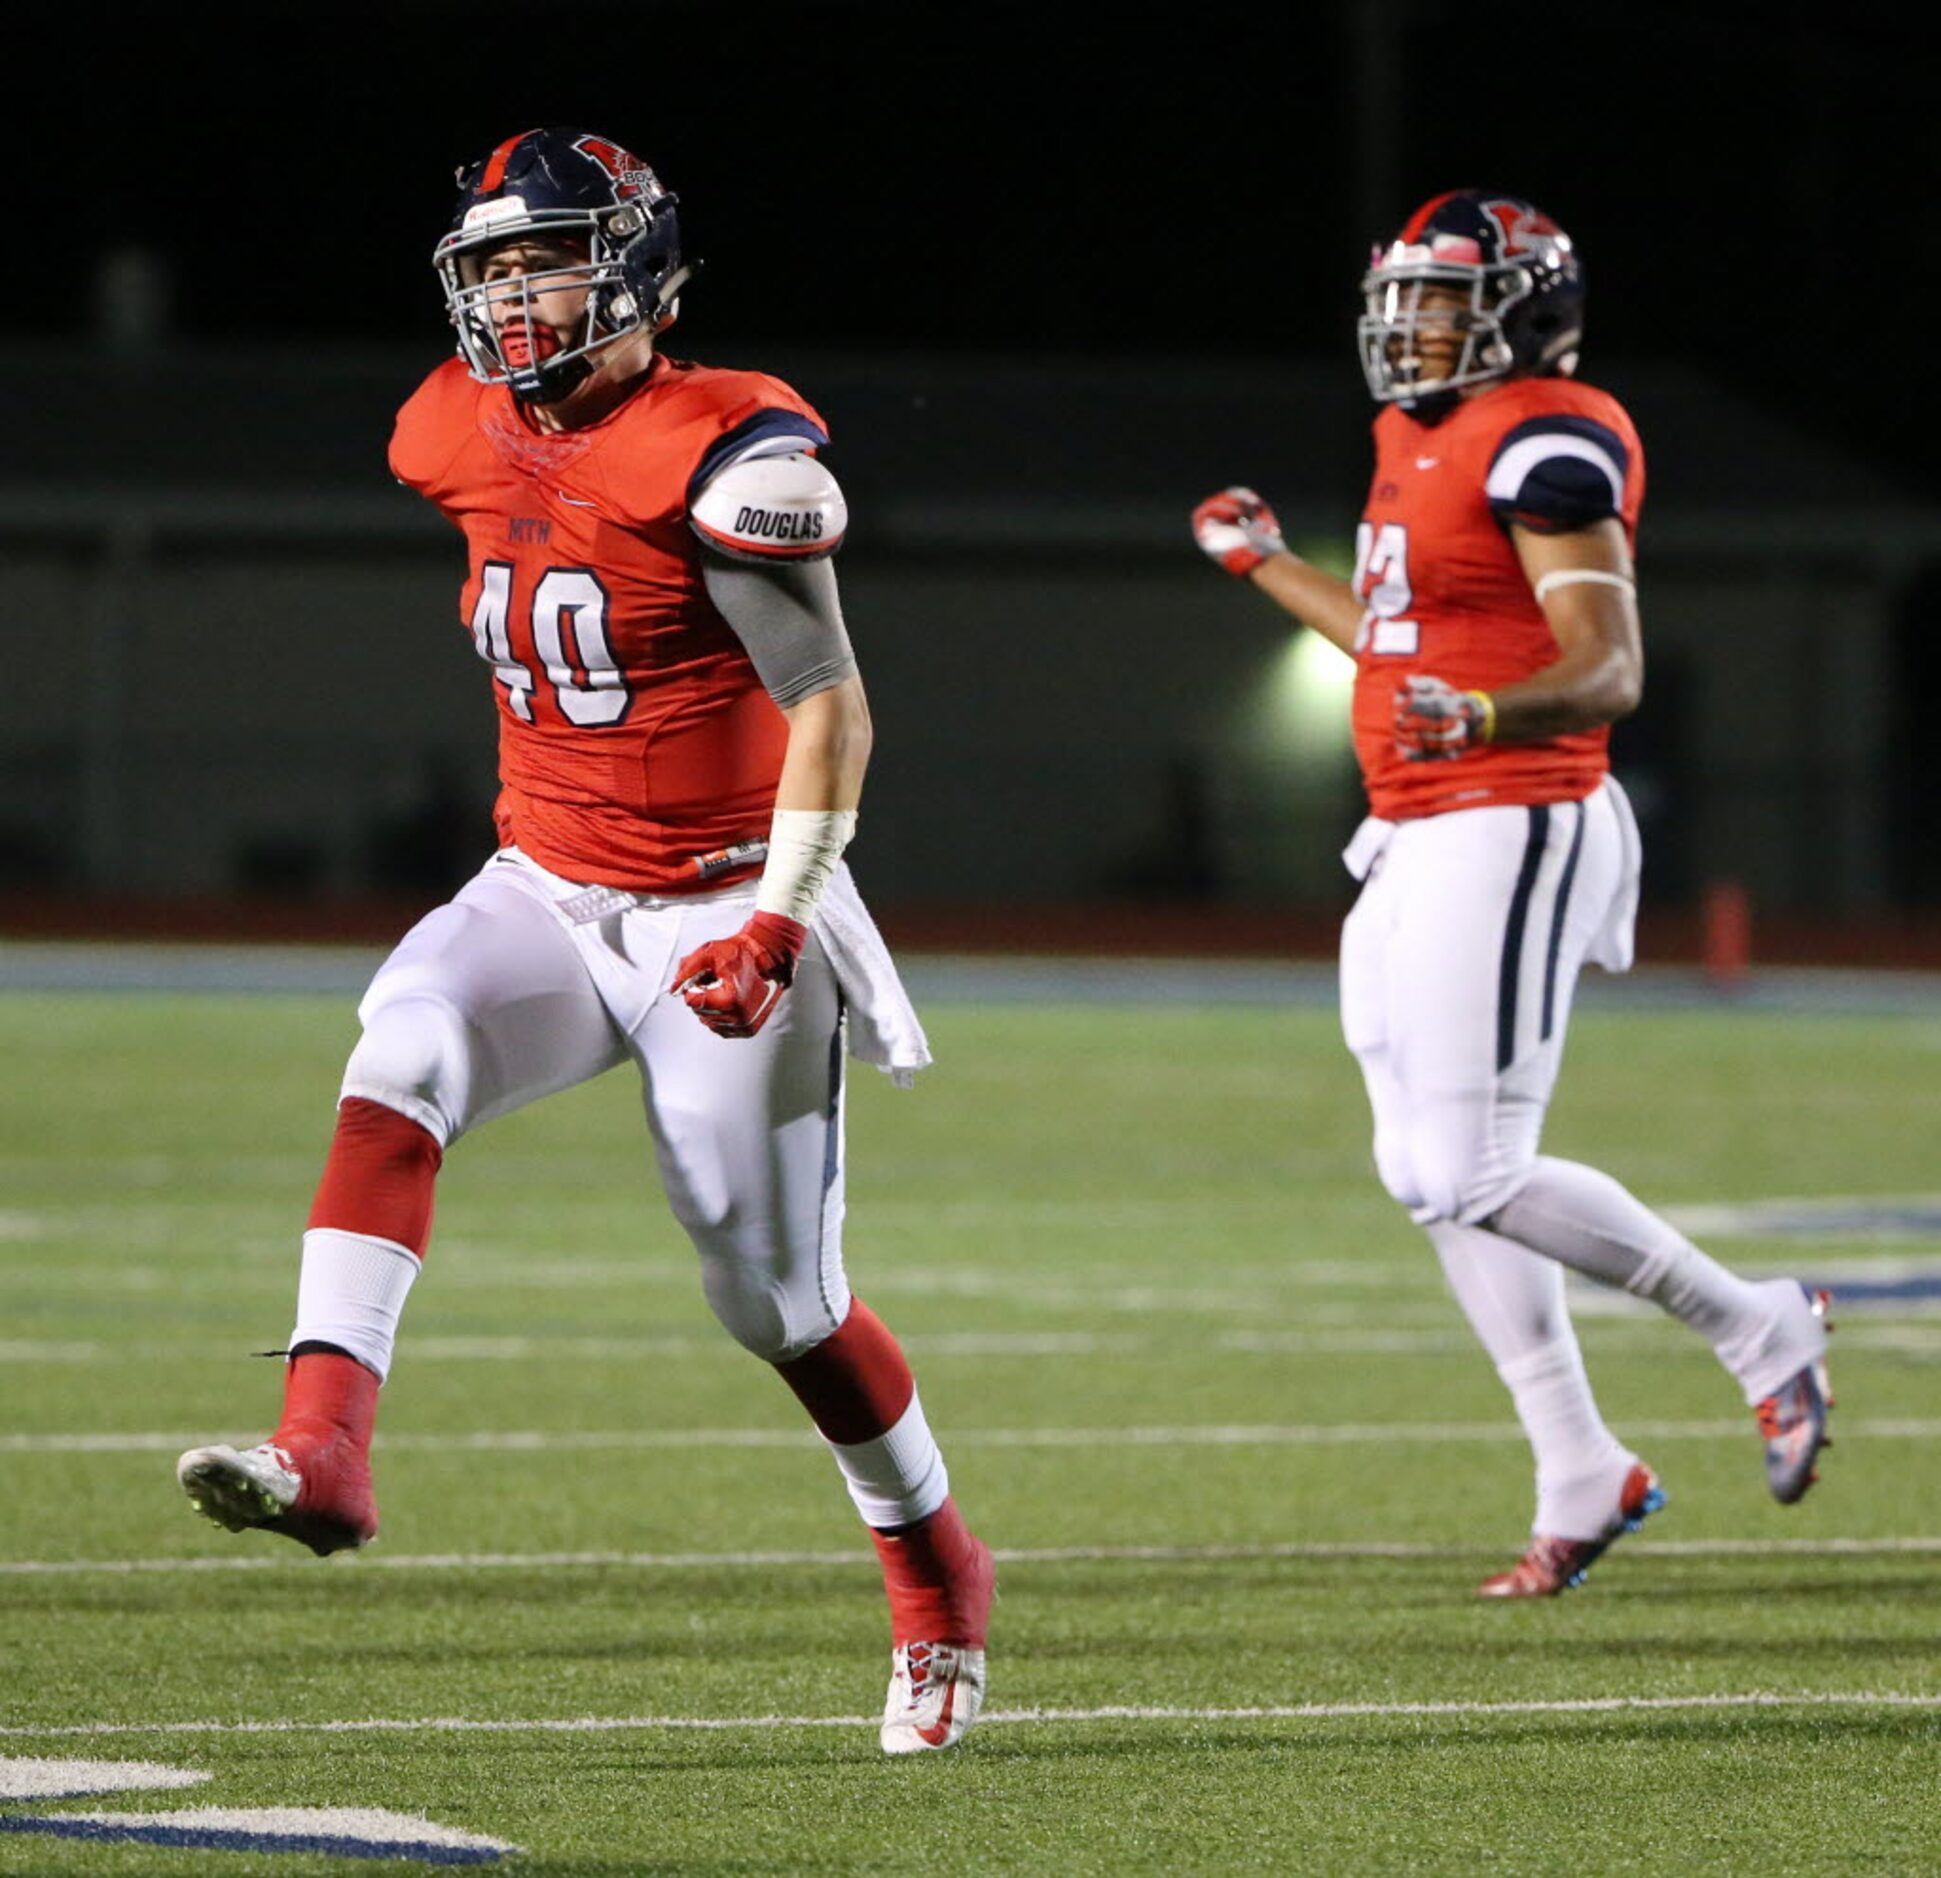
630 274
1471 309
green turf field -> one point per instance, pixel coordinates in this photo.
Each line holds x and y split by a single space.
1196 1379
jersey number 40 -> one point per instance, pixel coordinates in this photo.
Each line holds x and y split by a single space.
564 639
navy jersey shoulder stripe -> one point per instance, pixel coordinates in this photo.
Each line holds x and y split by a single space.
1558 471
765 427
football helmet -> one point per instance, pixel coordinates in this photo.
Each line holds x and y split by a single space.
1523 287
590 194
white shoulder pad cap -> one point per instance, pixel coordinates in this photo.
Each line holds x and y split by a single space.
771 508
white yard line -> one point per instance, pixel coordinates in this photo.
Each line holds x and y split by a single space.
1320 1549
1297 1711
1211 1435
1617 1329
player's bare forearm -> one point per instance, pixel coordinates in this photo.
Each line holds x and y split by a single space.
1595 683
1237 530
1585 584
1317 599
1582 579
828 749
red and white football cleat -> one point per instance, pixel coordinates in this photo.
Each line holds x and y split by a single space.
1793 1418
1553 1565
317 1493
936 1690
311 1480
941 1580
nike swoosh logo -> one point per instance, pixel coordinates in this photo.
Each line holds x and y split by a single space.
1421 462
939 1730
575 500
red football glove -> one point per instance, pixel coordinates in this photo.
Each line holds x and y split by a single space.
1237 529
732 984
1434 720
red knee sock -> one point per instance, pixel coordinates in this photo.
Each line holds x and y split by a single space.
855 1384
379 1176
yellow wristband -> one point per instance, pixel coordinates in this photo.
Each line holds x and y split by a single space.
1487 733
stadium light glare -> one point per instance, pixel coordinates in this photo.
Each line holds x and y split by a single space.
1304 705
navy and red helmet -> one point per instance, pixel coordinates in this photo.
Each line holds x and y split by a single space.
1524 292
580 191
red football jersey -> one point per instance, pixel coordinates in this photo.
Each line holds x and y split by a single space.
1445 593
636 743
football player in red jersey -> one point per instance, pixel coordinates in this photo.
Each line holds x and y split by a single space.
682 740
1493 622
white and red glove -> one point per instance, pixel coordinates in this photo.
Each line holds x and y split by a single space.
1237 529
1434 720
733 984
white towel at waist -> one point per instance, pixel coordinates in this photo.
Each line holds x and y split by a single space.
884 1030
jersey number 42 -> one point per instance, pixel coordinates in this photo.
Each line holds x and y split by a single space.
1382 582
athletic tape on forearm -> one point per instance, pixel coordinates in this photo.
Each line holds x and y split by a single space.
804 846
1582 576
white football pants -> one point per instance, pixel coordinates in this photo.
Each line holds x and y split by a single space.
499 998
1458 965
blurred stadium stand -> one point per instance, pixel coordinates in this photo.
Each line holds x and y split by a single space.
241 698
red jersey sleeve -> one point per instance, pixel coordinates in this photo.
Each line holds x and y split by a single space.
1567 468
437 424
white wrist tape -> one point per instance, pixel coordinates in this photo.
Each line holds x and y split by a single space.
804 846
1583 576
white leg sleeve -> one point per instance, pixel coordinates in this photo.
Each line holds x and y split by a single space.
351 1292
1515 1303
1586 1220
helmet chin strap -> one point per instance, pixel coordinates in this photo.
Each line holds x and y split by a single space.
550 382
667 303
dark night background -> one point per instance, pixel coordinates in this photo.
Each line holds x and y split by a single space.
1749 187
1052 273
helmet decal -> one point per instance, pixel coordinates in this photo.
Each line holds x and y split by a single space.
1521 222
631 177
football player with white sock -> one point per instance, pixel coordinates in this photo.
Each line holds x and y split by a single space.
1493 621
682 740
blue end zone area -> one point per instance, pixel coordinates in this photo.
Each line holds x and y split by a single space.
1859 1291
237 1839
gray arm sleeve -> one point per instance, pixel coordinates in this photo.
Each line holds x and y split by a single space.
790 621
